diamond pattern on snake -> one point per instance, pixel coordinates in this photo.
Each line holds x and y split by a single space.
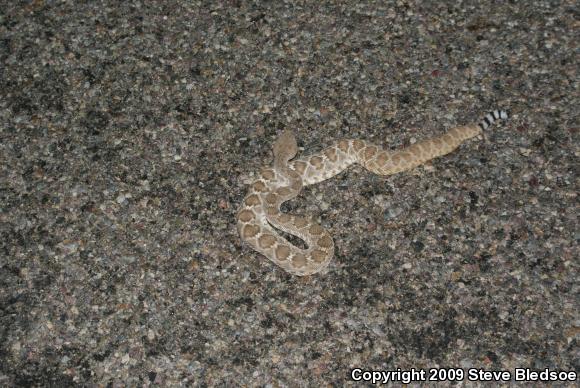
260 216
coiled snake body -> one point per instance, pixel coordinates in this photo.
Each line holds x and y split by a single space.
260 212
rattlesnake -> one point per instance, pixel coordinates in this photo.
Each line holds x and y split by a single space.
260 211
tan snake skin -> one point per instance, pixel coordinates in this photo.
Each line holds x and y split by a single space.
260 213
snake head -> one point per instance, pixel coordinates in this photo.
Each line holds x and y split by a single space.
285 147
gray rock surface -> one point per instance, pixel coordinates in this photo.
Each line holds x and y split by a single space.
128 132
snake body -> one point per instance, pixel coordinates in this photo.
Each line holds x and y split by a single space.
259 215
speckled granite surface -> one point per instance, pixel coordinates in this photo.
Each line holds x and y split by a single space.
128 133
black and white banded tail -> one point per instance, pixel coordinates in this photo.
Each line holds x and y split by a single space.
491 118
